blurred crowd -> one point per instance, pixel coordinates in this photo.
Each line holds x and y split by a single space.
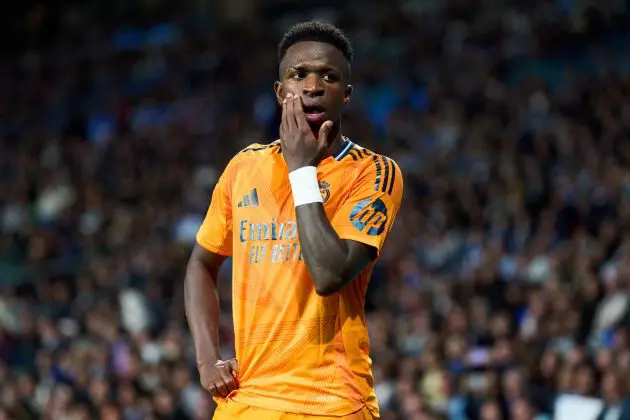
504 288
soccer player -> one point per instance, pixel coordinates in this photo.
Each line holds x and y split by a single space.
304 219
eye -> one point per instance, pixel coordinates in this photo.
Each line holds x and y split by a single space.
298 74
329 77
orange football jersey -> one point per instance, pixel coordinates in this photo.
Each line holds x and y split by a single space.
297 351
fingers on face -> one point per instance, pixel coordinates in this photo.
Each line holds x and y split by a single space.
324 130
293 115
300 117
284 124
292 112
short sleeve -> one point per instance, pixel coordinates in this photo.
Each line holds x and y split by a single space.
370 210
215 233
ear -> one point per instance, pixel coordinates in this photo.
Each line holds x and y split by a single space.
347 95
279 89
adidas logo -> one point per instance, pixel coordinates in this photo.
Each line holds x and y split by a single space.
250 200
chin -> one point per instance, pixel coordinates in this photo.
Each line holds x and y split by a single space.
315 126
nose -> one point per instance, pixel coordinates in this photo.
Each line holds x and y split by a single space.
313 86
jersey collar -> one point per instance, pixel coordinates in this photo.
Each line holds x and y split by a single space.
343 149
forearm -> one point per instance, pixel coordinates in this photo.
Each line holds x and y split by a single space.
325 254
202 311
331 261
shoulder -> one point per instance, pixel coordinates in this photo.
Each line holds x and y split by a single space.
380 171
252 153
258 149
365 158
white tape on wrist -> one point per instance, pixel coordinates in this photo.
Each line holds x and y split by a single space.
305 186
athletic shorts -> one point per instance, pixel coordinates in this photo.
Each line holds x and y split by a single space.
231 410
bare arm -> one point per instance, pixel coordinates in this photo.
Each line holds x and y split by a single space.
202 303
332 262
202 310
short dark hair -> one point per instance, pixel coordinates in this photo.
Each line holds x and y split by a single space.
319 32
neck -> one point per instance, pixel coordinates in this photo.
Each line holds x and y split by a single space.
335 139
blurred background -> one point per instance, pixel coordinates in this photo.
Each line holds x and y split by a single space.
504 289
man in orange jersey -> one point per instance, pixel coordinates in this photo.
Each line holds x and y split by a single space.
304 219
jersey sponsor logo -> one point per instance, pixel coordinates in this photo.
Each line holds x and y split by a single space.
249 200
271 242
324 189
369 216
270 231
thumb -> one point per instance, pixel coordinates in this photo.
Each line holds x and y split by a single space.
324 130
233 364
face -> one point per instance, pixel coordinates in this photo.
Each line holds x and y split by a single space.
490 411
513 383
610 388
585 381
318 73
521 410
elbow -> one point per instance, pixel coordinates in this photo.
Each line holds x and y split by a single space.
324 291
329 285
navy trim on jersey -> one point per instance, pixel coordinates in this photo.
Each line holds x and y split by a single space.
377 182
264 147
386 177
391 185
345 148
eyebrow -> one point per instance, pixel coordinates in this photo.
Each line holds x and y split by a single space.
313 67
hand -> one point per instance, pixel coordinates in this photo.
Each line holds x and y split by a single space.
299 145
219 379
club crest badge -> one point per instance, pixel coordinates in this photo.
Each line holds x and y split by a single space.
324 189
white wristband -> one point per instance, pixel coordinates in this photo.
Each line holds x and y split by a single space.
305 186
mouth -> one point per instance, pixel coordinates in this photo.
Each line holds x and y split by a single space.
315 113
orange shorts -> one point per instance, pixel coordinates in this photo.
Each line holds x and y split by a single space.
231 410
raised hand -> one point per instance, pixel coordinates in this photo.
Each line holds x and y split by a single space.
300 147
